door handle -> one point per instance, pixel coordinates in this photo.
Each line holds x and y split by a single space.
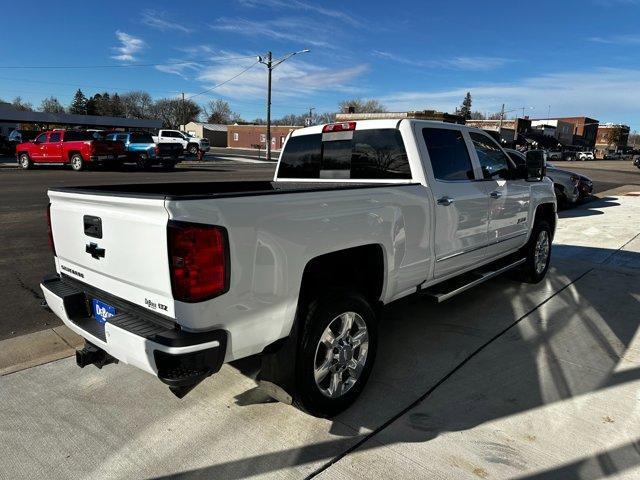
495 194
446 201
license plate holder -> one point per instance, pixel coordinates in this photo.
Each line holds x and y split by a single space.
101 311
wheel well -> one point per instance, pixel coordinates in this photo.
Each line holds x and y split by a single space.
72 153
547 211
360 267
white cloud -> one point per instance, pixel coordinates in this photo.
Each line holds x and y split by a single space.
290 79
300 31
477 63
179 67
626 39
159 20
605 94
299 5
129 46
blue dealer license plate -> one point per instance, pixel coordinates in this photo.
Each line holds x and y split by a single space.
101 311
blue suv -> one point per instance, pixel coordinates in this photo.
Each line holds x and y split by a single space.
142 150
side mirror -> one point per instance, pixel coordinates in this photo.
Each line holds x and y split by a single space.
536 166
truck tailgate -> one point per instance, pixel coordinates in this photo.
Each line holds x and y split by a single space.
114 243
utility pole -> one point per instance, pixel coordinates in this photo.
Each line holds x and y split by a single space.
182 111
271 64
310 117
501 118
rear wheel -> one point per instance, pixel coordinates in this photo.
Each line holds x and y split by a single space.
169 165
77 163
538 253
24 161
336 353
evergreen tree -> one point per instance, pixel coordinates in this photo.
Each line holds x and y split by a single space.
79 103
465 109
117 107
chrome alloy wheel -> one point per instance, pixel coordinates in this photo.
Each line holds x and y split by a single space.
24 161
541 251
341 354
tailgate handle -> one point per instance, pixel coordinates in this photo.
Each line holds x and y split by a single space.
92 226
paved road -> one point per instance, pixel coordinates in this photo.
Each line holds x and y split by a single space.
606 174
24 251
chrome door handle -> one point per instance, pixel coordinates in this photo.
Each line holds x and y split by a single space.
495 194
446 201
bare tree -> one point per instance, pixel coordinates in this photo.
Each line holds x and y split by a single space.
175 112
614 136
51 105
219 111
137 104
361 106
18 104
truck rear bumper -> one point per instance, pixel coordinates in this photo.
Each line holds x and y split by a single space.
155 345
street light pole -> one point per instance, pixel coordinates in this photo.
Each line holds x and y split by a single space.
271 64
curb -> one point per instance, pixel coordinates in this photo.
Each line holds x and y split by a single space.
37 348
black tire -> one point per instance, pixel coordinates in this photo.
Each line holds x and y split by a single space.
169 165
77 163
25 161
192 149
143 162
320 313
561 197
531 271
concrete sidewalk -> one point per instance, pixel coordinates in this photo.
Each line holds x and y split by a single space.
542 384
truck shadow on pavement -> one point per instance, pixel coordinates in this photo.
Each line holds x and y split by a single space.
516 378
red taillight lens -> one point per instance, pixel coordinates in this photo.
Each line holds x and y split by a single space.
50 230
198 260
157 149
339 127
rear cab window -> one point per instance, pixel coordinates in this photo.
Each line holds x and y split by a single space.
374 154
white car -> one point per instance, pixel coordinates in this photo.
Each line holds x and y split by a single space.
190 144
176 279
585 156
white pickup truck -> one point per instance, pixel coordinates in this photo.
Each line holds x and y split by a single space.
190 144
179 278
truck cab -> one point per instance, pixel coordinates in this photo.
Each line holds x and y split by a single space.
189 143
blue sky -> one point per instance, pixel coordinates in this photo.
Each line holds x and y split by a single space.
578 57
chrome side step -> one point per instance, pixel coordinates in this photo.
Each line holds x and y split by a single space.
450 288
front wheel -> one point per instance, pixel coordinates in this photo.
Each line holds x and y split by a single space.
336 353
538 253
143 162
77 163
24 161
192 149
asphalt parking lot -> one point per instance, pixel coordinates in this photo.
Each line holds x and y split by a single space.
544 384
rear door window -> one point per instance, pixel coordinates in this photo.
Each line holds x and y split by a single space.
54 137
369 154
448 153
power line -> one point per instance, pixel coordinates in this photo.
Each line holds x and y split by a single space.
127 65
85 86
226 81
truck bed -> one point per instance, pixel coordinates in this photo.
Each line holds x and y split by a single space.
203 190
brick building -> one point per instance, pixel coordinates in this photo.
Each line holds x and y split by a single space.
250 136
585 130
612 137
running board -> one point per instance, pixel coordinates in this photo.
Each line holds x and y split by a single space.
450 288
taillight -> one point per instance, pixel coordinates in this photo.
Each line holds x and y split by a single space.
339 127
198 260
50 230
157 150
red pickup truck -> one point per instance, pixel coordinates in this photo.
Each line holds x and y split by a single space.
73 147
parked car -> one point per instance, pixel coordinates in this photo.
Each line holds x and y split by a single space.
141 149
586 155
585 187
636 161
16 137
565 183
189 143
68 147
359 214
554 155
